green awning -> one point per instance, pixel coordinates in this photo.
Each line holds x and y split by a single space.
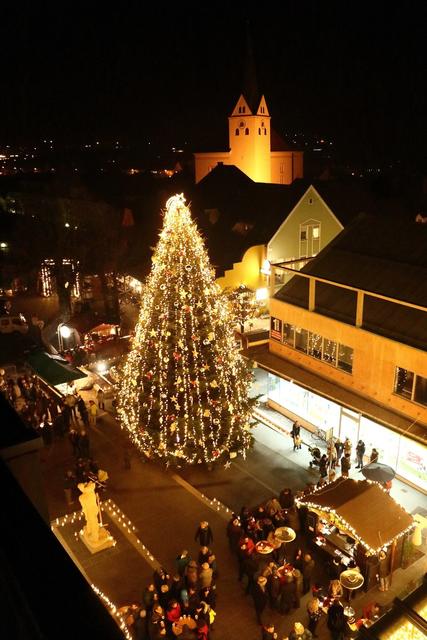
52 369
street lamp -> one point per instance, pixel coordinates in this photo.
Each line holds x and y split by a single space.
64 332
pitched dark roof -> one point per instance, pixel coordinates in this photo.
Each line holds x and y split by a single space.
265 207
375 517
277 143
376 254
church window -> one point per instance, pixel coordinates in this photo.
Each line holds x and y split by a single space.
259 131
241 125
237 132
263 125
265 132
246 131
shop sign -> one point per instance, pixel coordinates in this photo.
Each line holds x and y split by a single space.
276 329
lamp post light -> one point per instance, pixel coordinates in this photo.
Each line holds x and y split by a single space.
64 332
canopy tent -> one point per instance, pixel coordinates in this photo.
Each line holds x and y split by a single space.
53 369
363 509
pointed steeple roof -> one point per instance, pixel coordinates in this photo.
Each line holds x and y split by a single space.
250 84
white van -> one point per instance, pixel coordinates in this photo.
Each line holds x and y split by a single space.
13 324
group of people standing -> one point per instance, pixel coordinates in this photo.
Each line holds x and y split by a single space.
183 604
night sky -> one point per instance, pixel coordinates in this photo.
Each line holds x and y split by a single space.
354 72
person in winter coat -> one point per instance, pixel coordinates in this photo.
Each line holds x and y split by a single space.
297 575
299 633
140 627
339 448
360 452
345 465
268 632
204 534
191 574
274 586
295 433
374 456
384 571
307 571
208 595
204 554
314 613
148 597
260 597
205 575
173 612
336 620
287 598
347 446
182 561
160 578
234 533
323 466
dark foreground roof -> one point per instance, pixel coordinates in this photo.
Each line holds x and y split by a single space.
378 255
371 512
43 596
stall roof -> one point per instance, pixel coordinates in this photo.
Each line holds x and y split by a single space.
364 508
52 369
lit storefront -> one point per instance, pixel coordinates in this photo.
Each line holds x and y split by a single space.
407 456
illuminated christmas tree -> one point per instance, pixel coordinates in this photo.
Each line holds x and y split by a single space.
183 389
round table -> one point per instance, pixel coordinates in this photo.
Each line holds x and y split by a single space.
264 547
351 580
285 534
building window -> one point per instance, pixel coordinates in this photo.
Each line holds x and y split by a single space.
420 392
411 386
345 358
246 131
237 132
259 132
241 125
315 345
301 338
288 334
310 201
265 132
329 353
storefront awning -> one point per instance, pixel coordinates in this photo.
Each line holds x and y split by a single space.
290 371
53 369
369 513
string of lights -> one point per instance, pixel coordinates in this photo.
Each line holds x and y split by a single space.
183 388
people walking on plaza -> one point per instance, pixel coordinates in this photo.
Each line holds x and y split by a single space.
73 437
93 412
300 633
82 409
100 399
345 465
314 613
374 456
260 597
360 452
339 448
295 433
204 534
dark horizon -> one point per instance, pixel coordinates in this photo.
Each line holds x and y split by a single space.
353 74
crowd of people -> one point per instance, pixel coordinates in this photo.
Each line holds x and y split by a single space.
279 574
182 604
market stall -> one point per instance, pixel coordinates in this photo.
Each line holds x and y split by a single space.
357 522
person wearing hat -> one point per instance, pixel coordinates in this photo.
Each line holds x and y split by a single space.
299 633
260 597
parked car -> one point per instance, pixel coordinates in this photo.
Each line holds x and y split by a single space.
13 324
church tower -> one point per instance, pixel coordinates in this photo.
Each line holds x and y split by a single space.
250 139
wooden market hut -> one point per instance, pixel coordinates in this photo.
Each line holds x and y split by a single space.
363 511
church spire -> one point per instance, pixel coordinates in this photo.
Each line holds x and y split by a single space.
250 84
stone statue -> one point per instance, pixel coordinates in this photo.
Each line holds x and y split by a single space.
90 508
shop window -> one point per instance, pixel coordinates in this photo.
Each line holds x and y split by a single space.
315 345
288 334
420 393
404 383
345 358
301 339
329 354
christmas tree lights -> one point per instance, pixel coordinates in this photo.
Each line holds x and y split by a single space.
183 388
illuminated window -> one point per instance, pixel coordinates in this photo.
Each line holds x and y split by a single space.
315 345
420 392
301 337
288 334
329 353
410 386
345 358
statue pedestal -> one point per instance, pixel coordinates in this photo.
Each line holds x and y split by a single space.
105 541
